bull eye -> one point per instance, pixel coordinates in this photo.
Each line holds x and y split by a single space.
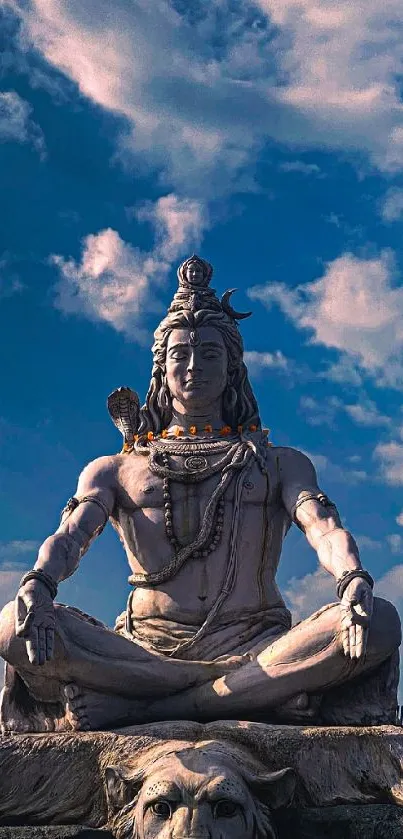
162 809
225 809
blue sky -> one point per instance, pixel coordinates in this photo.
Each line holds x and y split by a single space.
266 136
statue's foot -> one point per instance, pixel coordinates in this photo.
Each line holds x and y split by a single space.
302 708
89 710
21 713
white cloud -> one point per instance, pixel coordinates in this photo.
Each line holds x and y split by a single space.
304 595
117 283
323 412
9 581
301 167
344 372
340 63
13 558
366 413
399 519
259 361
333 472
302 73
176 222
390 456
9 551
355 308
392 205
16 123
365 543
395 542
320 412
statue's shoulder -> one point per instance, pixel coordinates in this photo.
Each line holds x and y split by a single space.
102 470
290 462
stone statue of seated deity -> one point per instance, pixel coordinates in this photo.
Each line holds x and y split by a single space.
201 502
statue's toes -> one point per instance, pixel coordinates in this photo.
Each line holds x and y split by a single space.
76 708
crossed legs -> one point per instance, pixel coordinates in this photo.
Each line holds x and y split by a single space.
307 659
99 678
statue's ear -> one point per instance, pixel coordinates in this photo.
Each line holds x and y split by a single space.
276 789
120 789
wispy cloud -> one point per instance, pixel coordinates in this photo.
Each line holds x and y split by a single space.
334 472
366 413
16 124
323 412
339 69
304 595
390 457
301 167
304 74
319 412
365 543
117 283
259 361
17 549
395 542
9 581
14 556
392 204
355 307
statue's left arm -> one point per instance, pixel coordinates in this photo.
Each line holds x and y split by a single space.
318 518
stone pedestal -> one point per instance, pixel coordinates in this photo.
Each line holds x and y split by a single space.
349 781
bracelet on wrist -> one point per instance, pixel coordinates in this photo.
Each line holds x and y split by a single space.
43 577
347 576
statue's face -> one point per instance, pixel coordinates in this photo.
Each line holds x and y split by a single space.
194 273
196 375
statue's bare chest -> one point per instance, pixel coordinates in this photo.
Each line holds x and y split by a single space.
141 488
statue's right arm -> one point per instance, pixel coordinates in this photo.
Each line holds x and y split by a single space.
60 555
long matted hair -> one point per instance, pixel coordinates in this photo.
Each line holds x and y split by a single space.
239 404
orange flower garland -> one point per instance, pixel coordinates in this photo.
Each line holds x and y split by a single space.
178 430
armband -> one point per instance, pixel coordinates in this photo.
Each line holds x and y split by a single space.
68 509
347 576
43 577
320 497
98 501
73 503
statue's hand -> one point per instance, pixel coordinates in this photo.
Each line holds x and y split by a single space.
35 620
356 612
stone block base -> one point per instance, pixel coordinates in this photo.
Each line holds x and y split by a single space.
348 781
374 821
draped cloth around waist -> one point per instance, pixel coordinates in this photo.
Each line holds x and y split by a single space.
233 635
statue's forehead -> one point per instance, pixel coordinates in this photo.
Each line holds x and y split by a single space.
207 334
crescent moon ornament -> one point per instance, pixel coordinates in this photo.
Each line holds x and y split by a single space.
228 308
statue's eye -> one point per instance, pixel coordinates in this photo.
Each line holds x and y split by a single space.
162 809
225 809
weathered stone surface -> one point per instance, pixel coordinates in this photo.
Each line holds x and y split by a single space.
48 832
376 821
56 779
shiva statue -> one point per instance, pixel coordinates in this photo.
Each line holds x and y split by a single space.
201 501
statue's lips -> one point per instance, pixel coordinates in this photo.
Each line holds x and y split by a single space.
192 383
